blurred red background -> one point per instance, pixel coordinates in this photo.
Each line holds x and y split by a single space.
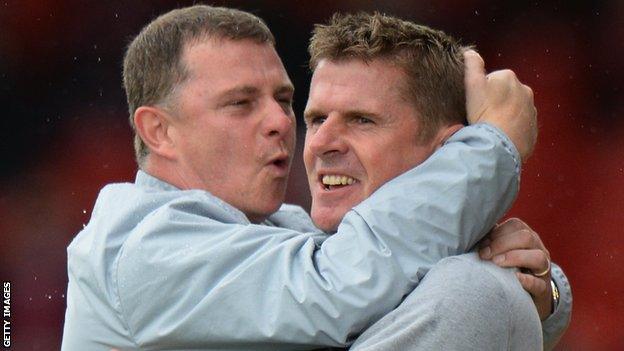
65 134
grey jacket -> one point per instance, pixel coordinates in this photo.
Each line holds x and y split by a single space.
159 268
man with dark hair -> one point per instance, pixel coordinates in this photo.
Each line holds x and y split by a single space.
198 254
153 65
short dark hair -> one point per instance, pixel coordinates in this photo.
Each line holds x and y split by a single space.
153 66
431 59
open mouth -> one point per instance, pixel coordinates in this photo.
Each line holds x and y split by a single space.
336 181
281 162
279 166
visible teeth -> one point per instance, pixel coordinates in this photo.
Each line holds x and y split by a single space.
337 180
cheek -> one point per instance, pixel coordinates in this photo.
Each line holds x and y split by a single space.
233 160
293 135
308 158
379 165
386 169
307 163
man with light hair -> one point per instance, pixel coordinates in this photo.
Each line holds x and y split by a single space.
200 253
384 95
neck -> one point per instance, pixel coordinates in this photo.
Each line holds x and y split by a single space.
167 171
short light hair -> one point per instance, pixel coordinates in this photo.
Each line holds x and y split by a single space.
431 59
153 65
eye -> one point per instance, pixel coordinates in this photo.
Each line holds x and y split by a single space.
285 100
363 120
240 103
315 121
286 103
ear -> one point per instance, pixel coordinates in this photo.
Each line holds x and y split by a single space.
153 126
446 132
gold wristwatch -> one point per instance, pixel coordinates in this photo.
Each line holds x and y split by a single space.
555 296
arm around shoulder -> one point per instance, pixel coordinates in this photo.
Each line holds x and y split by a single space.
186 280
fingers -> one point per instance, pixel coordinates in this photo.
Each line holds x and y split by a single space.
505 77
541 292
529 91
535 260
474 68
501 100
522 239
508 226
514 244
535 286
513 234
475 82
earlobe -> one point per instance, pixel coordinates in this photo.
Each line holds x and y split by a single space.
445 133
152 125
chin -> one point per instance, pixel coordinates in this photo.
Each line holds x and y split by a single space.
328 228
327 224
261 213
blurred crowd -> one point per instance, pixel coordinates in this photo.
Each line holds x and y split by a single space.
65 133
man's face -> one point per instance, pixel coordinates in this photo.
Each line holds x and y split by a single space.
233 127
361 133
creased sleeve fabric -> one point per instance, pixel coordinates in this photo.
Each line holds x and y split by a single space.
557 323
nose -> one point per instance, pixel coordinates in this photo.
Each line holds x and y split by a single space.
327 139
279 121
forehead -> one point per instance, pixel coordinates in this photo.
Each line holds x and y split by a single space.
228 63
373 85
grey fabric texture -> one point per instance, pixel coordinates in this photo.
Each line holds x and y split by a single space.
463 303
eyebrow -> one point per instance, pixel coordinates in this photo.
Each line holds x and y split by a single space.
252 90
286 88
244 90
353 113
350 113
307 114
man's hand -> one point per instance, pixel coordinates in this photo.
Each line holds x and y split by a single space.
514 244
500 99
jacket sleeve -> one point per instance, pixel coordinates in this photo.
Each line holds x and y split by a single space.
189 281
556 324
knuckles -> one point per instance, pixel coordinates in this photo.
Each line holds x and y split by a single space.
516 224
471 55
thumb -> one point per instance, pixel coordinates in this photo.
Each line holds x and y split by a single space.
475 82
